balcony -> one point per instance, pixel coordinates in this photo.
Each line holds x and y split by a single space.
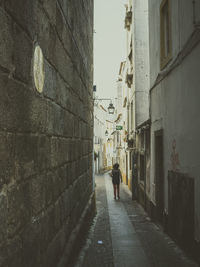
130 141
128 20
129 80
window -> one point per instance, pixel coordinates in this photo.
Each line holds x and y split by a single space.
165 34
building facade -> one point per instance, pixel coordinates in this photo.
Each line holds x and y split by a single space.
46 130
100 114
140 103
174 82
120 124
108 145
134 73
159 87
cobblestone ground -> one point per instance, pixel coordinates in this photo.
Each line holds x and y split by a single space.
159 249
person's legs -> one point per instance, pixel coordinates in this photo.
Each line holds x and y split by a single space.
114 187
118 191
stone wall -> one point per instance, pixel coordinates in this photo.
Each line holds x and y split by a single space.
46 136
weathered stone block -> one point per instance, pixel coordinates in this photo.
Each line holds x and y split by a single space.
50 83
55 119
37 113
2 2
26 156
3 218
50 225
62 94
22 55
6 41
31 243
62 172
64 63
63 30
83 129
3 255
44 152
55 249
48 42
57 216
56 185
76 104
37 194
59 151
68 125
24 19
49 189
65 205
15 207
50 8
15 252
67 10
76 127
6 158
21 110
71 201
68 173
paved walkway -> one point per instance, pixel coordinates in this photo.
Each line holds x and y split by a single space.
123 236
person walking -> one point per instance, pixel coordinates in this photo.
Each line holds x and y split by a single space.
116 178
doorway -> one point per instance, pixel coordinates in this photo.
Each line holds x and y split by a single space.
159 175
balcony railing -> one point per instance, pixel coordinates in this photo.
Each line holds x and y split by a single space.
129 80
128 20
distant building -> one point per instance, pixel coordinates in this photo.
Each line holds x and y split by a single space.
120 123
134 82
108 146
100 114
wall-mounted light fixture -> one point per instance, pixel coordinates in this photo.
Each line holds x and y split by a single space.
111 108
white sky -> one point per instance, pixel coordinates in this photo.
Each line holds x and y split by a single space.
109 44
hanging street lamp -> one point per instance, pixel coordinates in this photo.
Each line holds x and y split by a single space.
111 108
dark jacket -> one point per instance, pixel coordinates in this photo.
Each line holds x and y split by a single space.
116 176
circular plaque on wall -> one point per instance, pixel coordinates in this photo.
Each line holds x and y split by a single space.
38 69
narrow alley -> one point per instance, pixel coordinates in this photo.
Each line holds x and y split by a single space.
88 87
122 234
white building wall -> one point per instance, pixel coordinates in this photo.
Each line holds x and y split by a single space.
141 60
181 26
175 101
